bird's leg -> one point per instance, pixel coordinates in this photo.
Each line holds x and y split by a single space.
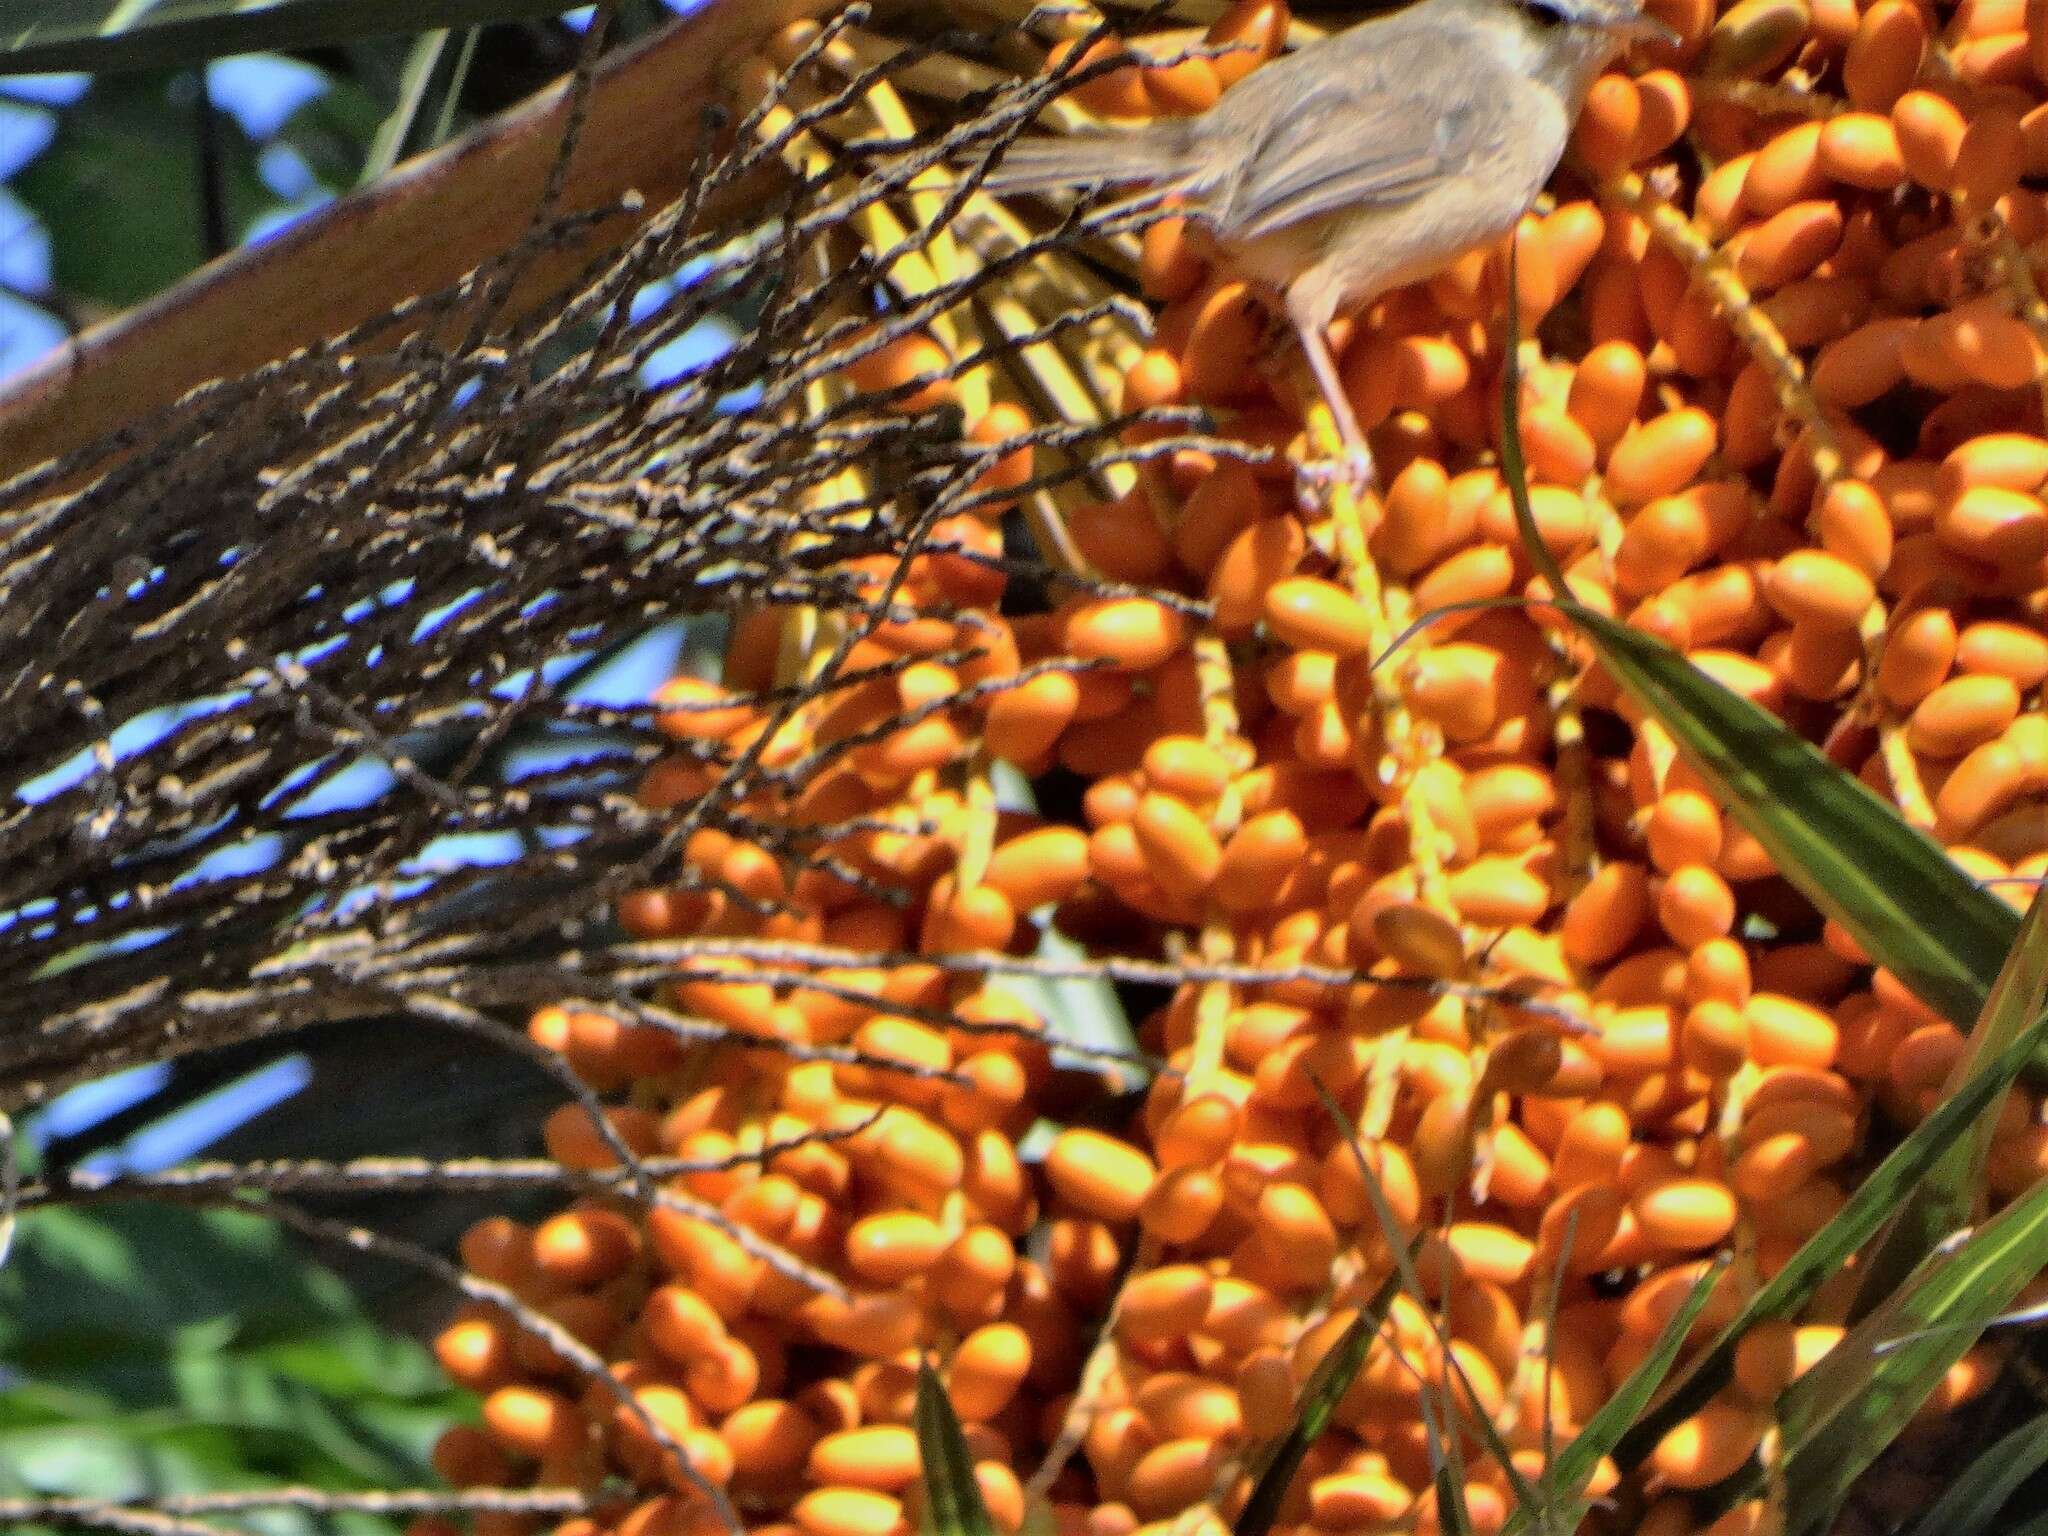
1354 466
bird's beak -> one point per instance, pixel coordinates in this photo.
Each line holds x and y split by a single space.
1648 29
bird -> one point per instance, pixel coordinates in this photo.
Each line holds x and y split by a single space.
1365 160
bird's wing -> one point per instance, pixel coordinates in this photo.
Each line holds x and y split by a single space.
1158 153
1370 140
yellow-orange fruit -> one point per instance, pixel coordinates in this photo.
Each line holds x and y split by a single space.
1709 1446
1172 1476
693 710
1992 523
1497 892
1983 784
1962 714
1587 1218
848 1512
1419 523
1132 632
1789 245
1660 457
1315 615
1250 566
580 1249
1099 1174
1991 158
1884 57
892 1246
1489 1251
1606 131
1685 1214
1854 527
877 1456
1164 1303
1347 1501
680 1324
1603 919
770 1441
987 1368
1296 1233
1785 1032
476 1351
496 1248
1025 719
1181 1206
1041 866
467 1457
1857 368
1784 171
1862 149
1813 587
1222 342
1930 131
534 1422
1773 1355
1606 391
1258 859
1180 851
1995 648
1590 1148
1695 905
1919 649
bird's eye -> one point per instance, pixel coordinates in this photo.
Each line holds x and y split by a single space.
1546 14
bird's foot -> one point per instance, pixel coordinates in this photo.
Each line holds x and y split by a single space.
1316 480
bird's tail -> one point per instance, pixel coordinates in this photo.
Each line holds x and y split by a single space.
1159 155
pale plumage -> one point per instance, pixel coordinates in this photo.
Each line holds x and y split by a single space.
1366 160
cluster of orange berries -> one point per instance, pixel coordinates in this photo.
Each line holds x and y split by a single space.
1787 417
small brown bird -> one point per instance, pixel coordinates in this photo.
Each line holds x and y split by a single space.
1366 160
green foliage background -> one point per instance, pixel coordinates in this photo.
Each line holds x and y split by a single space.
153 1350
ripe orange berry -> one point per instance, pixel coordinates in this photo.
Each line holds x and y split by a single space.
1099 1174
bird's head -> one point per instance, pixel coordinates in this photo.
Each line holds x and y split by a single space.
1571 41
1615 23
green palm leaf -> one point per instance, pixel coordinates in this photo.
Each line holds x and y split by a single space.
100 35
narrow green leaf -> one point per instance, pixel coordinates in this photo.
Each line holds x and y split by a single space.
1968 1505
420 62
1564 1480
1512 469
1840 1415
101 35
1850 853
1949 1196
1320 1395
952 1502
1449 1471
429 72
451 98
1830 1248
1452 1513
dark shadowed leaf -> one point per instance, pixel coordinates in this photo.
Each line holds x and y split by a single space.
1970 1504
1895 890
1320 1395
952 1496
119 189
98 35
1821 1255
1564 1481
1950 1195
1842 1413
